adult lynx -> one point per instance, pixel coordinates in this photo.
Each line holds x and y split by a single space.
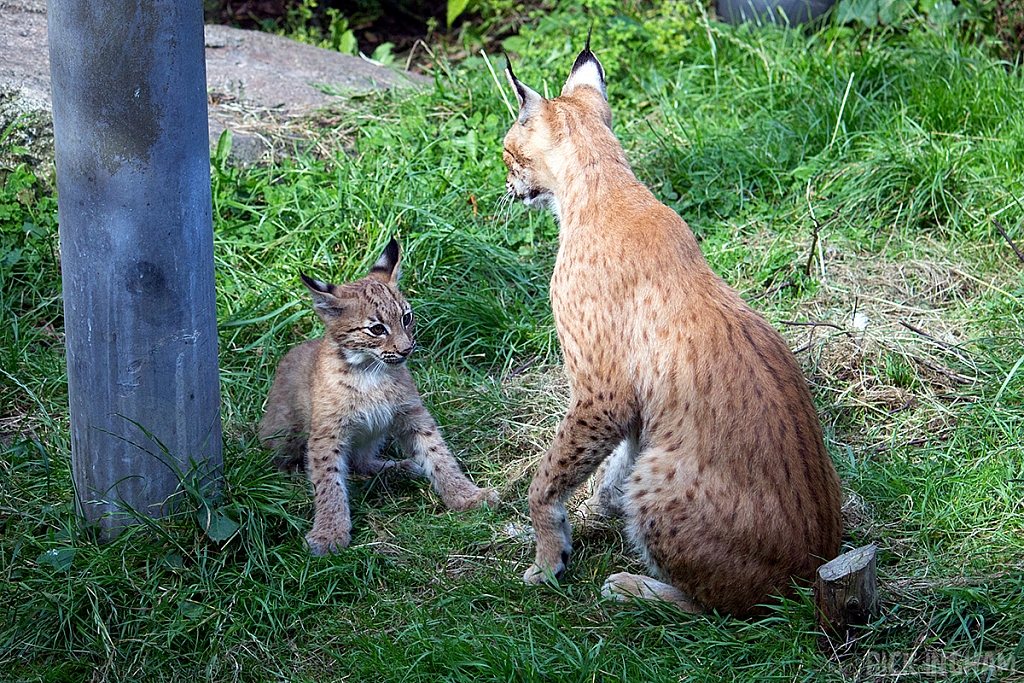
348 393
717 458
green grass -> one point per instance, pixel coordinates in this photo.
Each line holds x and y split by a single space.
896 148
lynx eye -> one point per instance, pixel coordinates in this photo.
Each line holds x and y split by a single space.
378 330
407 319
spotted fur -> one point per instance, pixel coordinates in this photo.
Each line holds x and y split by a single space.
335 401
718 461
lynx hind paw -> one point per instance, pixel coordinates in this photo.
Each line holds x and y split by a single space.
625 587
288 463
321 543
289 455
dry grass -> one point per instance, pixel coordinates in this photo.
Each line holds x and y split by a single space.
270 134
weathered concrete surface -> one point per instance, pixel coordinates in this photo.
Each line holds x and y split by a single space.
253 78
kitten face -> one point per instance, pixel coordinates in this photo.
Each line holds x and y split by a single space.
368 321
376 329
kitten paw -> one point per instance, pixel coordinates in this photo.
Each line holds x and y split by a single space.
479 498
603 506
326 543
409 465
488 497
590 511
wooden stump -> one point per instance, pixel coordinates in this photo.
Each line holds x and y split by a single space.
845 592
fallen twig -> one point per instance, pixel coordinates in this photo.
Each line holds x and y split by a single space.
903 407
519 370
949 347
1008 240
787 283
795 323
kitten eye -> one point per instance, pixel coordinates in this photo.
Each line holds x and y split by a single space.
378 330
407 319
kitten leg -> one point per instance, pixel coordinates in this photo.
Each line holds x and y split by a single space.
585 437
327 464
625 587
289 450
610 481
366 461
422 442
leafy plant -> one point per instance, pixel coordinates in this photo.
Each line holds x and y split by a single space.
28 223
455 9
303 22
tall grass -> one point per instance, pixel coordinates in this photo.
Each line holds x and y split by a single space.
826 174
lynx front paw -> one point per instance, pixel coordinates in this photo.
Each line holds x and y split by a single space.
625 587
546 572
324 543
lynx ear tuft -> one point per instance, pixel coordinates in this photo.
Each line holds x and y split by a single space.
325 303
529 100
389 265
586 70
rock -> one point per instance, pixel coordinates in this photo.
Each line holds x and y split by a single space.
25 118
273 72
258 83
26 128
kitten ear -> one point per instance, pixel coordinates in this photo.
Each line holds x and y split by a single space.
529 99
586 70
325 303
389 266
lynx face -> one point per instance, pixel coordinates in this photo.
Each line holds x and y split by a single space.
541 142
528 180
369 322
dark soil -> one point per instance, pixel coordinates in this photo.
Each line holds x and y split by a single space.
400 22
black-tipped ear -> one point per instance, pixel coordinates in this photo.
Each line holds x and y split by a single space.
529 100
325 303
389 265
315 286
586 70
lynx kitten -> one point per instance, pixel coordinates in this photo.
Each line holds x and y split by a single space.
336 400
717 460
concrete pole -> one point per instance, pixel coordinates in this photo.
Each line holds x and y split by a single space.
136 244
